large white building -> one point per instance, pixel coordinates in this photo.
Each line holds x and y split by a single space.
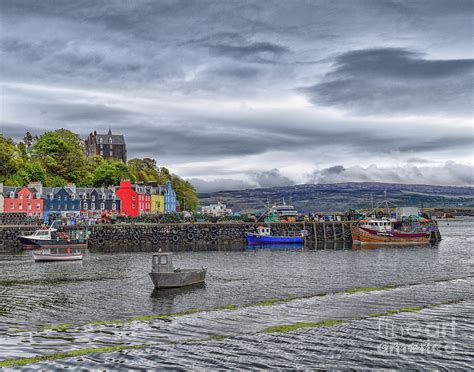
218 209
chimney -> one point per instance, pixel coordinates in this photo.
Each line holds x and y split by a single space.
38 186
72 187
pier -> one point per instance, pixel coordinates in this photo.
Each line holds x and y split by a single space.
178 236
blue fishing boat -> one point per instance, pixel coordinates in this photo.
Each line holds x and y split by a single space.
263 236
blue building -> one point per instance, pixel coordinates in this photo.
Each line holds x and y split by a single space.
170 199
60 202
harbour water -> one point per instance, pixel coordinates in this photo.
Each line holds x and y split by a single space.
390 307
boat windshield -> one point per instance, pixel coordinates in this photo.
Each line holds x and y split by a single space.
42 233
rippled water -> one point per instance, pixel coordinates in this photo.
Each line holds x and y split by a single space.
106 287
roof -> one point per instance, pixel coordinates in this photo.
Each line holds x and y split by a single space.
117 139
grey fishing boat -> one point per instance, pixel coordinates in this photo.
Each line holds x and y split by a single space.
164 275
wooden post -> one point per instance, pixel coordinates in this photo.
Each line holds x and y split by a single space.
343 232
304 234
334 231
324 230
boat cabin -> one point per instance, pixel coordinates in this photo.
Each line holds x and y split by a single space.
162 263
263 231
378 225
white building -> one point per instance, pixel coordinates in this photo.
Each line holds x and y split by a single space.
218 209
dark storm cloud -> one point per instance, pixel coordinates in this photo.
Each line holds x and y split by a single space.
396 80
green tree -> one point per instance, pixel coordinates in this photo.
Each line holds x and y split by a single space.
110 173
62 154
8 158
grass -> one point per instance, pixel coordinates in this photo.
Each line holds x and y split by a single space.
60 327
293 327
146 317
229 307
69 354
404 310
368 289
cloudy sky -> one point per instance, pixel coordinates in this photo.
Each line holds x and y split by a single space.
237 94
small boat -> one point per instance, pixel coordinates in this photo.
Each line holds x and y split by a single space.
51 237
58 254
164 275
263 236
381 231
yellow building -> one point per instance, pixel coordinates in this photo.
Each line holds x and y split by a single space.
157 203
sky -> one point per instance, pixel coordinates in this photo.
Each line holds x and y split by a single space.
242 94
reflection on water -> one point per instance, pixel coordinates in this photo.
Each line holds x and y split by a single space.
117 286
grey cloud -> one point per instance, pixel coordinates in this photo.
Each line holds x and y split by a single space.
396 80
450 173
261 52
220 184
272 178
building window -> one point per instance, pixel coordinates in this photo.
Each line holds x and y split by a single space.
101 146
38 206
101 140
51 196
102 206
51 206
73 196
28 196
92 205
111 147
114 206
12 206
103 196
85 206
93 198
110 141
59 198
114 197
21 196
101 153
133 205
12 194
29 206
133 197
20 206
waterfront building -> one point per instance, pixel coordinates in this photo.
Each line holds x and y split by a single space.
96 201
157 205
109 146
135 199
25 199
218 209
61 202
170 199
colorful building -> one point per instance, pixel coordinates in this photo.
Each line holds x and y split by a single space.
171 204
61 202
157 205
23 199
95 201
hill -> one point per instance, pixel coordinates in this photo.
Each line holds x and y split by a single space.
343 196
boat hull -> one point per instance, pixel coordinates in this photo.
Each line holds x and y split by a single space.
178 279
254 239
30 243
56 257
362 235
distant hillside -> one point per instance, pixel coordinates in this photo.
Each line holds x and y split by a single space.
342 196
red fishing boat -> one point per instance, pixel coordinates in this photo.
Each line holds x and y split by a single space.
382 231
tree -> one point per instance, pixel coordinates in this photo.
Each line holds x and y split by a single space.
8 156
110 173
62 154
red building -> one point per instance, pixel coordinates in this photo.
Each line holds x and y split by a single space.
24 199
135 199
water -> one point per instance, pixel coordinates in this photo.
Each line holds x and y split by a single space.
106 287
